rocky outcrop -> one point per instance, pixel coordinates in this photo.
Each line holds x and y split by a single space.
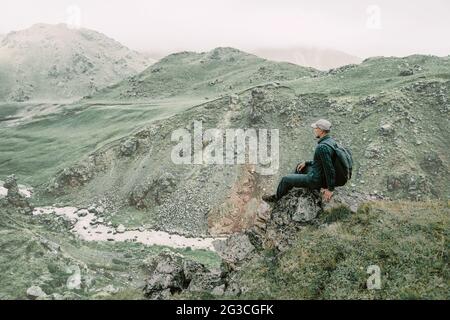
235 249
276 229
277 226
256 108
152 193
408 185
14 197
71 177
129 147
171 273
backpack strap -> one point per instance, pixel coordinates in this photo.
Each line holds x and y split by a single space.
331 146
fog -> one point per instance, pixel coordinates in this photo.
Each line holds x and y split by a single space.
359 27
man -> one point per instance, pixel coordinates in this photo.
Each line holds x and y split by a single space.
316 174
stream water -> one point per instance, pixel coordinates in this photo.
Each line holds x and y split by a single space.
86 227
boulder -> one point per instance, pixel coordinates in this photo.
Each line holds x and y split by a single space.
406 72
74 281
299 205
298 208
386 129
256 105
171 273
35 292
235 249
121 228
129 147
14 197
151 193
205 281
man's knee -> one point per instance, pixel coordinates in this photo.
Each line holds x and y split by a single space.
284 181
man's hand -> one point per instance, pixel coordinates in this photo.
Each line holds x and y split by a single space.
301 166
327 194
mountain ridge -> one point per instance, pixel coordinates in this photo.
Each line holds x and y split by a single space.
54 62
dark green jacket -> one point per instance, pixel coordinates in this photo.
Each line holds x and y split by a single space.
322 165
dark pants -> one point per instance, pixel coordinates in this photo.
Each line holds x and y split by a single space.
305 179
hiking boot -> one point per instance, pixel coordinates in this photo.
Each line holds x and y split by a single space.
269 198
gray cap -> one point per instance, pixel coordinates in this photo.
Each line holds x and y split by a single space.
322 124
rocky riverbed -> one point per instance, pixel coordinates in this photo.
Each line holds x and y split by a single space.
89 227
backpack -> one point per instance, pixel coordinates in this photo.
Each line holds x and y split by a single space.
343 163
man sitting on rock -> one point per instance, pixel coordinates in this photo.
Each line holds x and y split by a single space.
316 174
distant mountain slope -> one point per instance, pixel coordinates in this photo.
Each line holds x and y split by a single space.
318 58
217 72
54 62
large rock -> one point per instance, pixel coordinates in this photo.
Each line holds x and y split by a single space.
171 273
152 193
14 197
386 129
343 197
256 105
36 292
235 249
129 147
298 208
299 205
74 281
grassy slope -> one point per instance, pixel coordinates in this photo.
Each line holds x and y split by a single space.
26 259
58 140
208 74
375 75
51 142
407 240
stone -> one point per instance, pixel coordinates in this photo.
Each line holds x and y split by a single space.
171 273
205 281
219 290
74 281
129 147
373 151
406 72
305 210
386 129
14 197
121 228
35 292
92 209
234 249
165 273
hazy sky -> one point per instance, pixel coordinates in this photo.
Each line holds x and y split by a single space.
360 27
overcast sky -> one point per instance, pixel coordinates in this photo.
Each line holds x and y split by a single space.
359 27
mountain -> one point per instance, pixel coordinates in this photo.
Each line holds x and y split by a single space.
318 58
53 62
213 73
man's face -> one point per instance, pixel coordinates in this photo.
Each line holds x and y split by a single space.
317 132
